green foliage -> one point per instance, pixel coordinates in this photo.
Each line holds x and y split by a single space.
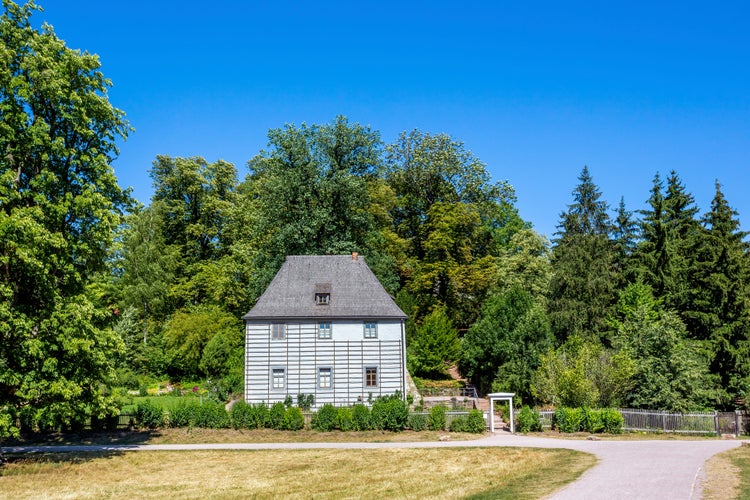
241 415
583 374
188 333
612 421
211 415
149 415
582 286
527 420
436 421
183 415
568 419
275 417
305 401
417 422
293 419
670 373
389 413
345 419
361 420
458 424
505 344
434 346
325 418
475 422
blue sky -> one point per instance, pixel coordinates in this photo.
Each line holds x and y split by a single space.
536 90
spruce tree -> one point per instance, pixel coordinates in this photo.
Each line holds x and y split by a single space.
717 310
583 280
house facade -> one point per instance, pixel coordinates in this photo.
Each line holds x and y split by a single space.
324 326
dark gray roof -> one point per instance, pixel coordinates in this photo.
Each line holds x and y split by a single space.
354 290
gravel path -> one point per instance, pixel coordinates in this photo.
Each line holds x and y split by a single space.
649 469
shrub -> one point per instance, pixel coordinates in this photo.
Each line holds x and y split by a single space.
417 422
361 418
149 415
475 422
293 419
305 401
326 417
568 419
458 424
436 421
344 419
275 419
592 420
211 415
182 415
389 413
241 415
527 420
258 416
612 421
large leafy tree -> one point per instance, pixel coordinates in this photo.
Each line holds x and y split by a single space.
501 351
311 194
670 373
59 205
583 279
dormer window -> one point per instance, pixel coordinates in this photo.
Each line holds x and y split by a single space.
322 294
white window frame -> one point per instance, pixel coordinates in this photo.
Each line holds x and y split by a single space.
278 331
322 298
321 380
325 330
275 378
370 329
377 377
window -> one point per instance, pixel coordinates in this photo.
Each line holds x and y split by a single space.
322 299
278 331
324 330
325 378
371 376
371 330
278 378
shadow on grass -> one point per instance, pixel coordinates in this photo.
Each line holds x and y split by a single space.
83 438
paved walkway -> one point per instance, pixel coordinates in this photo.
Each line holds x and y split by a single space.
648 469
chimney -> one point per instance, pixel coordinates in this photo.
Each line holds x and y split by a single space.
355 255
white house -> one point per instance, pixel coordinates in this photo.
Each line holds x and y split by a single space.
324 326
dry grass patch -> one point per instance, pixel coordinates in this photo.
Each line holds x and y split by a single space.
728 475
374 473
221 436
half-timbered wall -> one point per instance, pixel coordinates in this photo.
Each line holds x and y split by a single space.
346 355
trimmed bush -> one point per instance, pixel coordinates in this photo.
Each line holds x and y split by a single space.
528 420
240 414
417 422
149 415
568 419
361 418
612 421
389 413
344 419
258 416
211 415
436 422
475 422
458 424
326 418
293 419
592 420
276 414
182 415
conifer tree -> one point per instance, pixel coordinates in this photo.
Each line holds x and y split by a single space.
583 279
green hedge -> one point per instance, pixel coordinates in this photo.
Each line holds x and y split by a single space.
528 420
588 420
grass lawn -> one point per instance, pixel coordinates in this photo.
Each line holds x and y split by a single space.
375 473
728 475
